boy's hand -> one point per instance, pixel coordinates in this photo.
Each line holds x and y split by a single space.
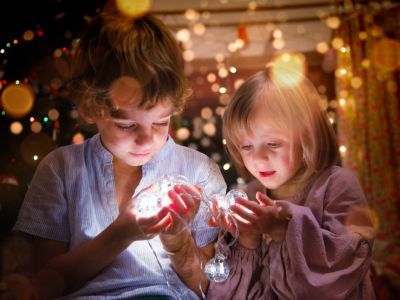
184 207
177 216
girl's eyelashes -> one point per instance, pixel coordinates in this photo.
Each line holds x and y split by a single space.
273 145
246 147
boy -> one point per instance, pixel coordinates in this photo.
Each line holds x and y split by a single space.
128 80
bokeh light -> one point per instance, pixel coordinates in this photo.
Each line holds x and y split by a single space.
16 127
133 8
17 100
288 69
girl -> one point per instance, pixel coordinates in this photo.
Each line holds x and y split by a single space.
308 236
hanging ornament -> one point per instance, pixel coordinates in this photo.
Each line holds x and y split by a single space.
242 34
217 269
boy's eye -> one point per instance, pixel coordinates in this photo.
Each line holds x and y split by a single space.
161 124
126 127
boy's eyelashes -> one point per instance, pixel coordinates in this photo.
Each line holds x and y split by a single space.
134 125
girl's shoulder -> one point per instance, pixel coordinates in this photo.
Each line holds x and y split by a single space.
338 174
338 180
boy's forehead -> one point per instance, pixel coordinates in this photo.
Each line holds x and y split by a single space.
160 110
125 90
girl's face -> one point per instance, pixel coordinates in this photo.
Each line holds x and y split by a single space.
266 155
134 135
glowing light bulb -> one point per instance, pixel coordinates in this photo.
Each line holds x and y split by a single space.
225 202
217 269
147 204
149 201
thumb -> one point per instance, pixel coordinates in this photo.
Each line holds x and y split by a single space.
264 199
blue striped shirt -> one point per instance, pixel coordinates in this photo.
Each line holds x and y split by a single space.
72 199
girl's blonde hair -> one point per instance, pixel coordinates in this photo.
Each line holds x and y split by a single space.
291 106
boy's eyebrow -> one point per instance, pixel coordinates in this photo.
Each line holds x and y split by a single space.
118 114
121 115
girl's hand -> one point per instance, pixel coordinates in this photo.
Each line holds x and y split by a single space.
264 217
228 223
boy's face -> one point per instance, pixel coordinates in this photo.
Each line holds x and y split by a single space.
133 135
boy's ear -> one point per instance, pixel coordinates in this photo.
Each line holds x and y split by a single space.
88 119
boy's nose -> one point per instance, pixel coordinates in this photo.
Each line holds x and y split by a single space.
143 137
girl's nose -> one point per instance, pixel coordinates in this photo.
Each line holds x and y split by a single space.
261 153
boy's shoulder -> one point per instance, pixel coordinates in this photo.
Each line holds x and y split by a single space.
185 152
69 153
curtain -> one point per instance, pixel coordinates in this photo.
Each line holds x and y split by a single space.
368 118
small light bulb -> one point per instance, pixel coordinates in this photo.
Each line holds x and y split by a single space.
217 269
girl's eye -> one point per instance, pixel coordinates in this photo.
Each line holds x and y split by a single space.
273 145
246 147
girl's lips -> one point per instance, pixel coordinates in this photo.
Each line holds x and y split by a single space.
267 174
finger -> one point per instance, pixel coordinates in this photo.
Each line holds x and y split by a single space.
249 206
159 227
244 213
177 205
264 199
190 191
190 198
152 220
212 222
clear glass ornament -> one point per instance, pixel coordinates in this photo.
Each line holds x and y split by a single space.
217 269
147 204
226 201
167 183
233 194
150 201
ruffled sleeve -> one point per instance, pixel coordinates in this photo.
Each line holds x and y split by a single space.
320 258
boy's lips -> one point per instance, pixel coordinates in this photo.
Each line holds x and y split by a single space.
266 174
140 154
